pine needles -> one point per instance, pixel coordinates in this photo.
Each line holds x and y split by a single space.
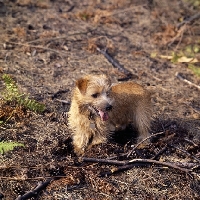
12 93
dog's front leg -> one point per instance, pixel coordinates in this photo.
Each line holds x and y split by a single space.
80 141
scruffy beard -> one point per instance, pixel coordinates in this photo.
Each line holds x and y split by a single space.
92 111
102 114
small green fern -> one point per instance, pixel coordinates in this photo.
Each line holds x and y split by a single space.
12 93
9 146
195 69
31 104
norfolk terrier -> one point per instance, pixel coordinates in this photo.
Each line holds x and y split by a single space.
99 108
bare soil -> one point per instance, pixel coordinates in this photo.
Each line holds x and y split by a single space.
46 45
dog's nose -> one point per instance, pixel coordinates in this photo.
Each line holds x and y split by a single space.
109 107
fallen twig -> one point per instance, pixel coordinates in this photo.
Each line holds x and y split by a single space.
63 101
181 165
36 46
41 186
189 20
27 179
181 28
139 154
117 156
186 81
179 34
59 38
109 172
97 160
185 152
172 165
191 142
133 149
132 163
58 93
196 109
115 64
160 152
20 178
187 165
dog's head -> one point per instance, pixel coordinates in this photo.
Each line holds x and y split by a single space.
93 95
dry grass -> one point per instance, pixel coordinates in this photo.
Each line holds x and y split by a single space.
127 30
44 4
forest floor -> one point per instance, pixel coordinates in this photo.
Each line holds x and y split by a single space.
46 45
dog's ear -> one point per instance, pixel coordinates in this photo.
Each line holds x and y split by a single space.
107 78
82 84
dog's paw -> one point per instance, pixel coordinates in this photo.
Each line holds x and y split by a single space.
79 151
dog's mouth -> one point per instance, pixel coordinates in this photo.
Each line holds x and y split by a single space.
103 114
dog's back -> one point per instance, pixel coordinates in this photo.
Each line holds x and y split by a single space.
131 104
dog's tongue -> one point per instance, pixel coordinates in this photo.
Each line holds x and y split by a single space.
103 115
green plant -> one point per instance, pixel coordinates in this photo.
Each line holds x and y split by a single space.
9 146
175 57
12 93
85 15
195 3
196 70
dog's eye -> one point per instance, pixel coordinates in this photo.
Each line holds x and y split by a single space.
95 95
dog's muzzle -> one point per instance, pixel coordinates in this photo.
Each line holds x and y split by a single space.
103 113
109 107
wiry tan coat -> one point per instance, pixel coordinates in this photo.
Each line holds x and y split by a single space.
132 104
97 109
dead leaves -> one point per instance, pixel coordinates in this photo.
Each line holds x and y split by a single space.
76 177
97 16
166 34
38 3
102 42
180 59
11 113
101 185
20 31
